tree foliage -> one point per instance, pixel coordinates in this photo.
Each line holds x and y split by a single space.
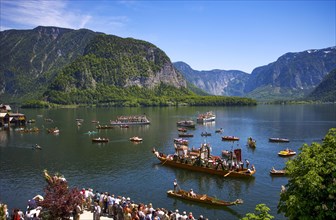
59 200
311 189
260 213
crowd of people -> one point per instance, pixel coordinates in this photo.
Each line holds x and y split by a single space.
103 204
121 208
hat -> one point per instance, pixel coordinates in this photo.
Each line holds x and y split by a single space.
176 210
184 212
128 198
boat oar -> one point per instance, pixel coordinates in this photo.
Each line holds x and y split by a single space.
228 173
165 161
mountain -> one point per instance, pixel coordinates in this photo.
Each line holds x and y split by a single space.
216 82
326 90
291 76
65 65
30 59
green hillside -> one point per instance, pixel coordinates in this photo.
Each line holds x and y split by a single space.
326 90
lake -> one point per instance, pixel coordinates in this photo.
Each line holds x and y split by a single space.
131 170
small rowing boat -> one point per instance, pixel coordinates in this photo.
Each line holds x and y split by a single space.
185 135
100 140
274 172
230 138
181 141
286 153
205 134
136 139
251 142
202 198
278 140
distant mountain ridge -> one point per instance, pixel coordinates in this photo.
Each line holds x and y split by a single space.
292 76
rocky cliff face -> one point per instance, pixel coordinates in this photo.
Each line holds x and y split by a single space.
216 82
296 72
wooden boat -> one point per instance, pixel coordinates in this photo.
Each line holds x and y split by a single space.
104 127
53 130
181 141
187 124
274 172
205 134
28 130
170 160
124 126
230 138
286 153
278 140
185 135
182 129
219 130
202 198
131 120
100 140
206 117
136 139
251 143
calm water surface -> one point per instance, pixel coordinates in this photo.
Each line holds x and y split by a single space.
128 169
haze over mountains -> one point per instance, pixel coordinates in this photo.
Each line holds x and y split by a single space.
69 66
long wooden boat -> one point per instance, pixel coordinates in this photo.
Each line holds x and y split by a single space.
286 153
100 140
278 140
170 161
104 127
131 120
274 172
185 135
206 117
230 138
187 124
202 198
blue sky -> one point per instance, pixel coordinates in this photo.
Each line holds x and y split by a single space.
227 35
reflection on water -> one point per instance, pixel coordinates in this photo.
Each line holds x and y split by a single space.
124 168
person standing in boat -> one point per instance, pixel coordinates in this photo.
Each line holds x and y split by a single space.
175 185
247 163
219 162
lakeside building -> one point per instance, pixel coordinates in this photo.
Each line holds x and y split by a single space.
8 118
